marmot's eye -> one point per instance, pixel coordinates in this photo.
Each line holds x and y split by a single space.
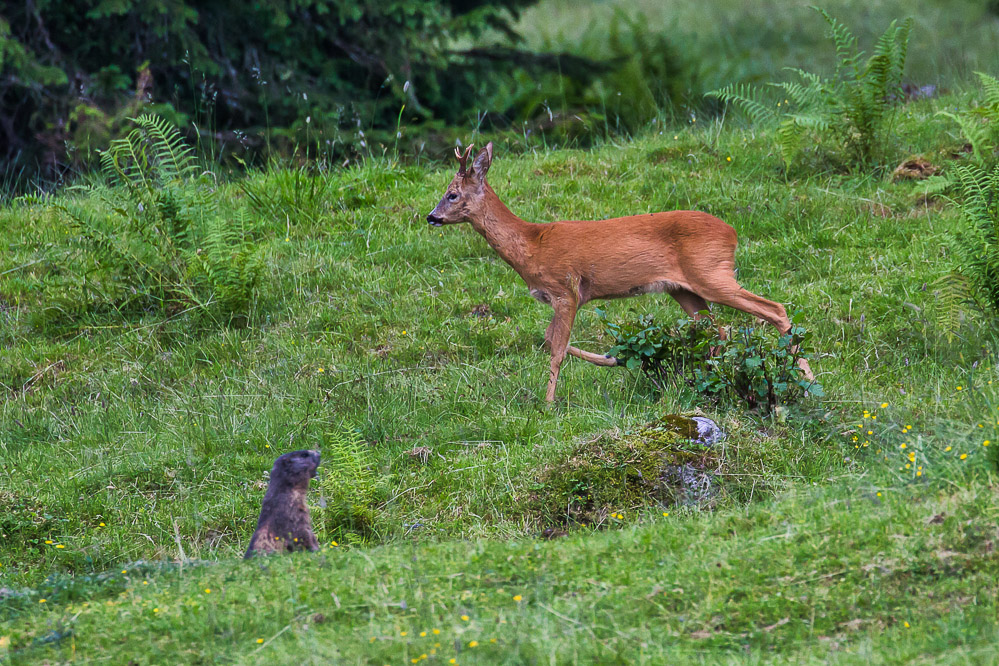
453 196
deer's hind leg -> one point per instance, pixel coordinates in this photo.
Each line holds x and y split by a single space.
691 303
730 293
595 359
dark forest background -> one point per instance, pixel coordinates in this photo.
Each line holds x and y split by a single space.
338 78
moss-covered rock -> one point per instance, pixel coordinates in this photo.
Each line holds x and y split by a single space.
661 463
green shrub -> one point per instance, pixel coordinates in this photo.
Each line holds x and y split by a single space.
739 369
154 236
855 107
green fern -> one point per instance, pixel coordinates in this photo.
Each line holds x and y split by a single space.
979 127
974 277
174 159
856 106
751 100
990 86
157 235
953 295
348 482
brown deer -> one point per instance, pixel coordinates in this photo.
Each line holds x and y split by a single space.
688 254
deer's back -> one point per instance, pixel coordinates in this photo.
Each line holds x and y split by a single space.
626 256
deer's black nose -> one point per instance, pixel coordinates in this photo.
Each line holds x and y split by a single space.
434 220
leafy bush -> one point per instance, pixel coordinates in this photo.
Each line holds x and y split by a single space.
855 106
157 237
741 369
974 275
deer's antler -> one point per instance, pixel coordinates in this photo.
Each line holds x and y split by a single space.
462 159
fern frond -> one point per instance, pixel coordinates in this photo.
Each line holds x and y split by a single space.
126 162
847 56
348 477
976 133
815 122
174 158
748 98
953 293
990 86
812 93
937 184
976 246
789 139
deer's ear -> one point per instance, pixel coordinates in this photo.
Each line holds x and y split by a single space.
480 165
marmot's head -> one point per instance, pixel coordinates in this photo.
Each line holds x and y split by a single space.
296 468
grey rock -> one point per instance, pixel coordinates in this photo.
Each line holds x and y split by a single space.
708 432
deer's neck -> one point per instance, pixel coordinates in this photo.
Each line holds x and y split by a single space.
507 234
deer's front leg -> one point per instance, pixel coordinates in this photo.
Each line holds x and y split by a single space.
557 337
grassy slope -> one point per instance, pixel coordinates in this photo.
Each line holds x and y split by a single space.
163 432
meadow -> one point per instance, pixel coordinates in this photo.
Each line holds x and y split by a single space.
135 441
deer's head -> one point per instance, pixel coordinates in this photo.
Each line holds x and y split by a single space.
464 195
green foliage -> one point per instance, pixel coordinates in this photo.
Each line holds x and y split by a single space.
279 73
349 484
974 276
855 106
158 237
639 73
738 369
979 127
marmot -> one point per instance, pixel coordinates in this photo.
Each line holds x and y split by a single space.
284 523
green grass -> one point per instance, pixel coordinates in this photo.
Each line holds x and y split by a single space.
163 428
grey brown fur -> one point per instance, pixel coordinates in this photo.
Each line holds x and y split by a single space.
285 523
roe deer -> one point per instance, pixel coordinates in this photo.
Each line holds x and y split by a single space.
688 254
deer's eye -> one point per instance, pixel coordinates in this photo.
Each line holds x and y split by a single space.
453 196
